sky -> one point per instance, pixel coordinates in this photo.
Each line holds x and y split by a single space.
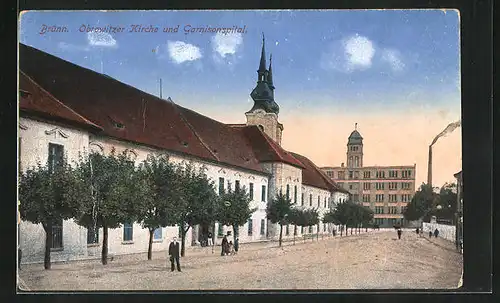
394 72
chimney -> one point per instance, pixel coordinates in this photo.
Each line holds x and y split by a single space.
342 165
429 167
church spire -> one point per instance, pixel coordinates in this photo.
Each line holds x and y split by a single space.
270 73
262 66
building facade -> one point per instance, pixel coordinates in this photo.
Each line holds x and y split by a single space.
385 189
67 111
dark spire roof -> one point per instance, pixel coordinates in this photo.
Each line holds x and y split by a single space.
270 74
262 66
355 137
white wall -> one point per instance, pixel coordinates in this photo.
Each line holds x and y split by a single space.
445 231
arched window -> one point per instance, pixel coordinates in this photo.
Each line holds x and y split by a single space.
356 161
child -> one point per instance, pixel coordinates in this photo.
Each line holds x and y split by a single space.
231 248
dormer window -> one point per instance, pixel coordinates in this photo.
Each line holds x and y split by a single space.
261 127
117 124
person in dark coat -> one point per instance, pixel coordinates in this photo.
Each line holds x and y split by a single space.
173 252
224 246
236 244
436 233
418 231
430 234
399 233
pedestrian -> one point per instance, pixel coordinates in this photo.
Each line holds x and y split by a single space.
230 249
173 252
224 246
430 233
210 241
436 233
399 233
236 244
418 230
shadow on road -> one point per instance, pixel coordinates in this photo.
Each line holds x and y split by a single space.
442 246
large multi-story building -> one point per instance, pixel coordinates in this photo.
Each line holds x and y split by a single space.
385 189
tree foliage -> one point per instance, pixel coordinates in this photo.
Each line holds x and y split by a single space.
421 204
278 211
232 208
157 208
48 197
113 186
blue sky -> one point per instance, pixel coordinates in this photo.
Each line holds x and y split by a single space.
380 59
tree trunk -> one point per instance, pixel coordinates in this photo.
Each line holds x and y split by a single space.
104 254
281 234
351 230
150 245
48 245
341 231
183 240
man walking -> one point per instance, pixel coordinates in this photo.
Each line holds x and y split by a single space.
399 233
210 241
173 252
224 245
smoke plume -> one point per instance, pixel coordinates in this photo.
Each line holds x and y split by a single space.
448 130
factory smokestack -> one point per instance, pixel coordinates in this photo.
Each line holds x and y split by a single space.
429 168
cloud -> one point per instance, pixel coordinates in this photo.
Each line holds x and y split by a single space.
226 44
181 52
393 57
72 47
101 39
350 54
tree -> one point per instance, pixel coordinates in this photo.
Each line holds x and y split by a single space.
342 215
311 217
157 209
278 210
48 195
294 217
421 204
329 217
113 187
366 217
233 208
196 202
447 199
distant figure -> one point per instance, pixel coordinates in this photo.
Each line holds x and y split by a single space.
173 252
399 233
210 241
224 245
236 244
436 233
418 231
230 248
430 234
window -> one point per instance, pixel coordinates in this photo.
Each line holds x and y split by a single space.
57 235
366 186
325 203
406 198
56 156
92 235
302 199
324 227
250 227
288 191
350 186
319 201
341 175
366 175
379 198
128 232
379 221
262 227
380 174
406 174
228 185
237 185
356 161
405 185
379 186
302 229
355 198
393 185
310 200
379 209
220 230
403 209
351 174
157 234
366 198
393 174
287 229
251 191
392 210
295 194
393 198
310 229
221 186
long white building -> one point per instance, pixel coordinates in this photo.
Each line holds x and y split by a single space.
67 110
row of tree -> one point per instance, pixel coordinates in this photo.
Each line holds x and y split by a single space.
107 191
428 202
346 214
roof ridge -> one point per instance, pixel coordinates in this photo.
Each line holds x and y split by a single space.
59 102
193 130
270 143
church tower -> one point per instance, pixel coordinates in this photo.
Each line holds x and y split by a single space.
264 112
355 149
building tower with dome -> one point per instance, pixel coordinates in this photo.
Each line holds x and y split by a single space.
387 190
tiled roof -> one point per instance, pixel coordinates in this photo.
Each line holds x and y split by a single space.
35 100
267 150
129 114
314 176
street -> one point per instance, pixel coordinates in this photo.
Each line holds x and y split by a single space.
373 260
